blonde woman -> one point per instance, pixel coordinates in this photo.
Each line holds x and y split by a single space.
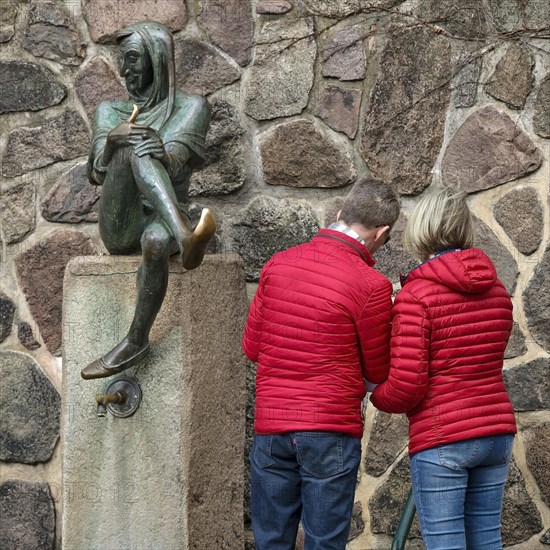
451 323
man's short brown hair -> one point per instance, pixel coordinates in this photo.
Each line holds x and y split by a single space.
371 203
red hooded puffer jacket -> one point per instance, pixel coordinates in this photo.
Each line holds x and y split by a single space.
451 324
319 323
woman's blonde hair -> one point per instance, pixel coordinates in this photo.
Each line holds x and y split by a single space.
441 220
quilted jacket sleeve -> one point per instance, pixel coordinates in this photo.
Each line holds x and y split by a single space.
374 329
253 329
410 345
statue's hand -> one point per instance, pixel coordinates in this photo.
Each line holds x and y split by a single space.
128 134
125 134
149 143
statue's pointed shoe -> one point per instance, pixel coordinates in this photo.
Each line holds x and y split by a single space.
101 369
194 246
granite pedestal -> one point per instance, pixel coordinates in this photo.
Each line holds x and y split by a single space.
170 476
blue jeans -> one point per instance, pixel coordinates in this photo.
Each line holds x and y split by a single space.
458 490
303 475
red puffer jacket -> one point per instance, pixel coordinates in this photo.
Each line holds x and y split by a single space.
451 323
319 323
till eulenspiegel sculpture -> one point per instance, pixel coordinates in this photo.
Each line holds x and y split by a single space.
143 153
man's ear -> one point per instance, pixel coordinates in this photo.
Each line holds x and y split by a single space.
338 215
381 232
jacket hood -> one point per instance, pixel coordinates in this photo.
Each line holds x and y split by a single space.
468 270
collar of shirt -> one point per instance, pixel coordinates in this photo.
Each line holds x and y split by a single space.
347 230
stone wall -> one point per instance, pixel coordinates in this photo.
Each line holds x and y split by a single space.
307 95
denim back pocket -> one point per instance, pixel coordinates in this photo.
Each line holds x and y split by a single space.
320 453
501 450
261 450
460 454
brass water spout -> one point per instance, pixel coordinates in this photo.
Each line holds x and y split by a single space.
119 397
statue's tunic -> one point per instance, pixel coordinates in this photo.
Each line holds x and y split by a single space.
183 135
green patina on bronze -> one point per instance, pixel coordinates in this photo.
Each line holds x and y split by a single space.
143 153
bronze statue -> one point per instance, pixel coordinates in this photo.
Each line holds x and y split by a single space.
143 153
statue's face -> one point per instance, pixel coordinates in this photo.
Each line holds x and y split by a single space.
136 66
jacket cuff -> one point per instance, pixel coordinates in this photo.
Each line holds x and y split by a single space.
369 386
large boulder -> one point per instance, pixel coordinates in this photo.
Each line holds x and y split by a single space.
230 25
404 121
28 515
520 214
8 13
516 344
63 137
72 199
344 8
466 82
388 501
224 169
504 261
281 76
343 54
200 68
7 310
388 438
270 225
28 87
488 149
40 271
298 154
528 385
537 443
97 81
541 112
17 212
392 260
516 17
512 80
273 7
463 19
520 517
536 301
51 33
105 17
339 108
30 409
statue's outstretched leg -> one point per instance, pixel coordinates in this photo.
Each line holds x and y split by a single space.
152 281
155 185
120 220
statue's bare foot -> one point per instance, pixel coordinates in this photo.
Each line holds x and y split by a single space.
194 245
121 357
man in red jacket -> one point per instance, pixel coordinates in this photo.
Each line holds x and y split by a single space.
319 328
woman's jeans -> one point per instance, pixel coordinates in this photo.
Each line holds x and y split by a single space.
303 475
458 490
